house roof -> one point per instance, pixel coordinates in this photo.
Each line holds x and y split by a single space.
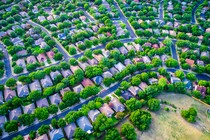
119 66
42 137
83 65
29 109
46 82
74 68
78 88
134 90
97 80
56 134
190 62
107 74
22 90
92 61
116 105
42 103
66 73
50 54
127 62
87 82
175 79
123 50
55 99
106 110
15 113
54 74
143 85
3 119
9 94
41 57
202 89
63 91
35 86
92 114
1 97
69 129
31 59
84 124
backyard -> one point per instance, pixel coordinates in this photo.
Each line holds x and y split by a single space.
169 125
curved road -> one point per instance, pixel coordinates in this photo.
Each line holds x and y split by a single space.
194 21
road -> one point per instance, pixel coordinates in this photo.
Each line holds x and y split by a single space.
194 21
161 11
124 19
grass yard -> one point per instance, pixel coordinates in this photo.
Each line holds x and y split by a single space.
171 126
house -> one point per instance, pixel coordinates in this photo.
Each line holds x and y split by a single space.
9 94
199 62
153 80
92 62
107 74
143 85
26 137
69 130
113 70
85 124
147 44
97 80
21 63
83 65
46 82
123 50
175 80
134 90
29 109
82 18
127 62
116 105
93 114
22 90
42 103
22 53
41 18
190 62
56 134
164 57
136 60
95 28
54 74
31 60
41 58
98 57
74 68
106 110
35 86
205 54
55 99
50 54
78 88
87 82
187 83
43 45
42 137
66 73
146 59
3 120
119 66
202 89
62 36
39 41
15 113
16 41
63 91
2 34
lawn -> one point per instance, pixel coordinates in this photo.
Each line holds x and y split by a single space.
171 126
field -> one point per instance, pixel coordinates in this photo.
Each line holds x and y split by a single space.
171 126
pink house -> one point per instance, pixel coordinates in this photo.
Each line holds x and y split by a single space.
41 58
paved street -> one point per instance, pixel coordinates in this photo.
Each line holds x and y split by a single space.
194 21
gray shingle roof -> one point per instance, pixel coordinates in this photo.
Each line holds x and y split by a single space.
15 113
56 134
84 124
22 90
92 114
46 82
69 129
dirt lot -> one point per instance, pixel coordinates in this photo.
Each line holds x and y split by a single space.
171 126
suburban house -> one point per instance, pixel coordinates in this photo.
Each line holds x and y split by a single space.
41 58
69 130
202 89
188 83
83 65
53 75
107 74
35 86
21 62
42 103
143 85
153 81
42 137
66 73
116 105
78 88
50 54
29 109
9 94
3 120
15 113
74 68
190 62
113 70
31 59
134 90
97 80
87 82
22 90
85 124
63 91
93 114
55 99
127 62
119 66
92 62
56 134
1 98
175 80
126 95
106 110
46 82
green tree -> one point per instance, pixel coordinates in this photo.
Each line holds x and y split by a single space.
52 109
89 91
128 131
61 123
133 104
19 137
11 126
70 98
197 94
112 134
43 129
26 119
154 104
32 134
54 123
34 95
141 119
171 62
18 69
179 74
11 82
41 113
102 123
79 134
191 76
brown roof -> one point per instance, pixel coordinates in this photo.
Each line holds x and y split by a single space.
156 46
190 62
50 54
87 82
